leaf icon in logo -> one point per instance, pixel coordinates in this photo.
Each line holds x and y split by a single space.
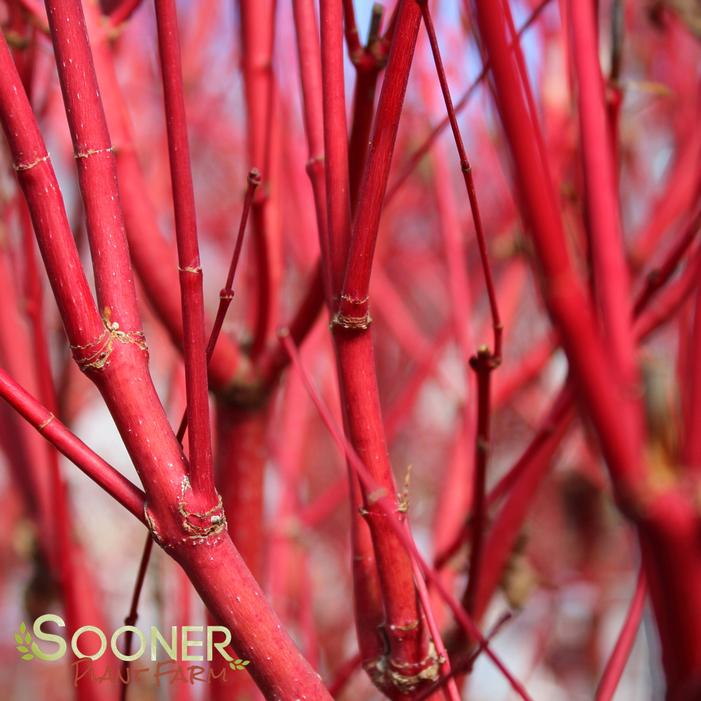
23 640
239 664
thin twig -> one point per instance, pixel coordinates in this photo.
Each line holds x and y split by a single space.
469 182
436 131
624 643
386 505
226 295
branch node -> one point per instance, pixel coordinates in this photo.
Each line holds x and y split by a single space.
254 177
21 167
150 523
201 525
355 323
46 422
388 673
358 301
404 627
92 152
315 162
98 352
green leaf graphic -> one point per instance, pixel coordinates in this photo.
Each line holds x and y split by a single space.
23 640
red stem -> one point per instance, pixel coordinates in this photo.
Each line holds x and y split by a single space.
123 11
353 303
133 614
40 187
116 361
407 654
226 294
420 153
225 297
404 628
351 29
257 27
146 244
95 162
624 644
469 182
481 364
309 55
191 292
368 63
386 506
610 269
522 480
276 360
531 468
335 139
67 443
565 295
660 274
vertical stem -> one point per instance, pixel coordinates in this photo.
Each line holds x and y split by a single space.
335 138
241 457
482 365
604 223
225 297
368 67
95 161
312 107
530 470
146 243
385 505
257 27
192 297
353 304
351 29
77 584
564 293
196 539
